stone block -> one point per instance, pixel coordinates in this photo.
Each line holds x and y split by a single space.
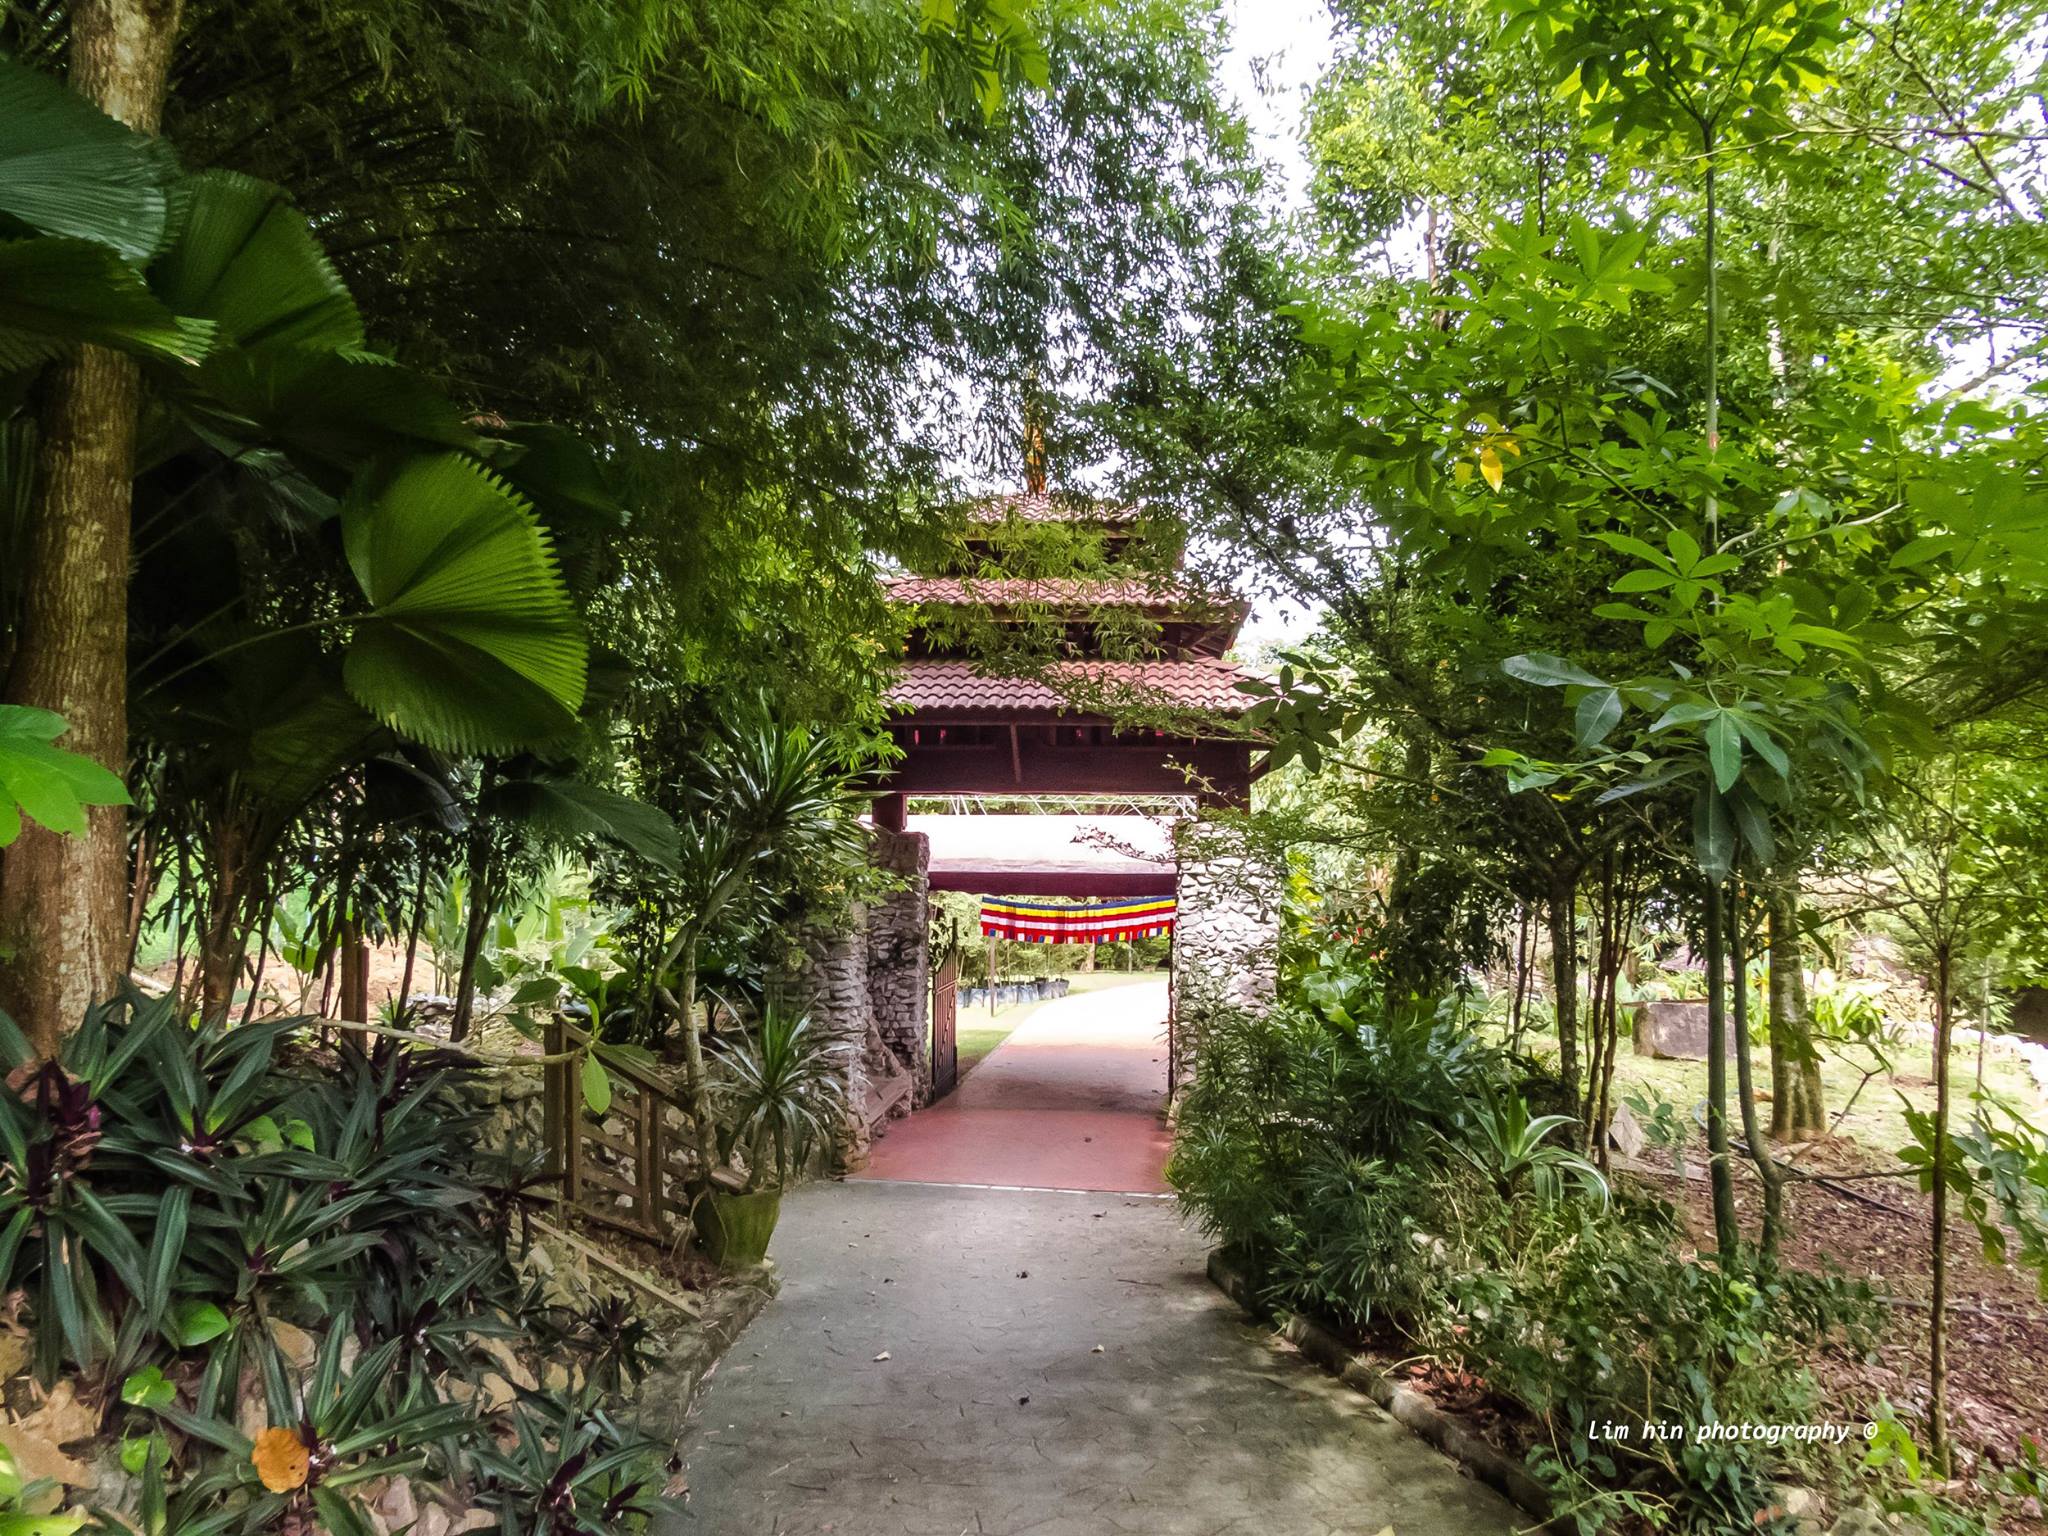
1675 1029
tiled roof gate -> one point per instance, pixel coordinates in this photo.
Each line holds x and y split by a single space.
966 727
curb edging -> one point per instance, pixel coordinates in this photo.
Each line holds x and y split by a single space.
667 1396
1410 1408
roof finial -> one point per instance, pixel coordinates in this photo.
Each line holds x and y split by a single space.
1034 436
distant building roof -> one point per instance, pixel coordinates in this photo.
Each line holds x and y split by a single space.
1048 507
957 688
1062 592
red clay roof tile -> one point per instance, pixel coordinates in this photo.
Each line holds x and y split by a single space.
1078 687
1058 592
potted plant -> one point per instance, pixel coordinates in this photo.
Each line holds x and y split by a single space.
780 1092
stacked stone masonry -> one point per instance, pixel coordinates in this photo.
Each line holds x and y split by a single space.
1226 942
899 944
866 986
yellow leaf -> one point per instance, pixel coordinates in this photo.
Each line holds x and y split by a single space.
281 1460
1489 465
1461 472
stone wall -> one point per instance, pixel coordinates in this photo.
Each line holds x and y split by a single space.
899 953
1226 939
866 985
828 979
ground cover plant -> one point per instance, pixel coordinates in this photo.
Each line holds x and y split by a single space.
268 1275
1376 1162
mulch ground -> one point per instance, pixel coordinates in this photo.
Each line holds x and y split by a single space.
1880 1230
1877 1230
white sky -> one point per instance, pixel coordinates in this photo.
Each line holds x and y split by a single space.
1278 50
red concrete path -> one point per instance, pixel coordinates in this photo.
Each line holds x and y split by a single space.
1071 1100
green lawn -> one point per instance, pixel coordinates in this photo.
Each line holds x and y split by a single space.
1874 1117
981 1030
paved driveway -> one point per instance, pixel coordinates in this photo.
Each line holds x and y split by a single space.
1071 1100
1058 1366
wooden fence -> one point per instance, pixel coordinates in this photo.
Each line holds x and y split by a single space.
631 1167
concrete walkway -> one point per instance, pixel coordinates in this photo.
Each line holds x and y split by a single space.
1071 1100
1056 1366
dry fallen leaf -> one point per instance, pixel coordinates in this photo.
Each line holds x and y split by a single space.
62 1419
281 1459
35 1457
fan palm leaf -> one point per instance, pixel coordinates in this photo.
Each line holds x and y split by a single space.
471 643
68 169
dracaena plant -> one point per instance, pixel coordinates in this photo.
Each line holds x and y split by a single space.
329 1431
69 1220
579 1473
779 1094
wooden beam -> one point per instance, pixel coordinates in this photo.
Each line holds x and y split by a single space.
1137 768
1109 885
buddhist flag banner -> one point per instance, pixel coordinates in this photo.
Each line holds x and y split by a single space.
1039 923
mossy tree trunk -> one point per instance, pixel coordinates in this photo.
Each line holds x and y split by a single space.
64 901
1798 1105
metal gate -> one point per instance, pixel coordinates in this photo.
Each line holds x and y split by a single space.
945 1027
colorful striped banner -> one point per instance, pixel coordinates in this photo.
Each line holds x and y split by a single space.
1040 923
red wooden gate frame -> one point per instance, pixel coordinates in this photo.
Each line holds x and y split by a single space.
946 1027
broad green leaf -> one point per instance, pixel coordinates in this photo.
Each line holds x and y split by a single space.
138 1452
43 780
1764 745
1724 751
68 169
247 261
40 1525
332 411
192 1323
315 732
1713 834
1547 671
1627 544
56 294
1598 712
1643 581
571 811
1754 825
597 1085
148 1388
471 643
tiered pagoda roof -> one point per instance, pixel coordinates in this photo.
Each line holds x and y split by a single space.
955 690
966 727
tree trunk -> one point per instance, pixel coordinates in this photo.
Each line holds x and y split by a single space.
482 876
695 1082
1564 982
1759 1149
1798 1108
355 975
63 913
1727 1232
221 950
1937 1328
